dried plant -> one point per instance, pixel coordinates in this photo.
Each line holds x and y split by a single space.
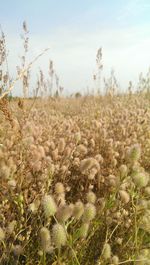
97 77
75 177
4 69
111 86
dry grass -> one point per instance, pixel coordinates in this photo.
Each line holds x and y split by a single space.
74 173
86 170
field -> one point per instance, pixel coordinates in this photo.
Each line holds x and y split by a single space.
74 170
74 180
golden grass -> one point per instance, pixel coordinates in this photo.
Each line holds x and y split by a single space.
90 157
74 172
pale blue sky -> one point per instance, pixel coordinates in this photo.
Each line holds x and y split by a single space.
74 30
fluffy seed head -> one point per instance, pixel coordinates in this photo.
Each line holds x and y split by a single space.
64 213
58 235
32 207
123 171
77 137
55 154
59 188
119 241
89 212
92 174
147 190
115 260
82 149
61 145
92 143
88 163
45 239
83 231
37 166
145 221
134 153
141 179
91 197
112 181
85 164
67 151
41 151
99 158
78 210
124 196
107 251
142 204
60 199
49 206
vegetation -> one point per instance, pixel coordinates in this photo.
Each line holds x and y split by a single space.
74 174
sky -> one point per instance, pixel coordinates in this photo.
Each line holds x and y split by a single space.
74 30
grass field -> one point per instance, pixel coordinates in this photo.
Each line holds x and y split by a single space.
74 180
74 171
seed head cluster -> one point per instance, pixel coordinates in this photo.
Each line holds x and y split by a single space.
75 179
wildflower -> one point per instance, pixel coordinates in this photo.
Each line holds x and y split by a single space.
91 197
145 221
49 206
86 164
134 153
89 212
123 171
141 179
92 173
78 210
64 213
106 251
77 137
115 260
59 235
59 188
147 190
124 196
82 149
61 145
83 231
45 239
